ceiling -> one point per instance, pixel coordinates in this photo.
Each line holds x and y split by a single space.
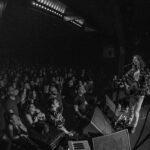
20 21
21 26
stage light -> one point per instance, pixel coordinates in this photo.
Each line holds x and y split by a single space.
56 8
45 2
80 21
33 3
63 10
76 23
52 5
37 4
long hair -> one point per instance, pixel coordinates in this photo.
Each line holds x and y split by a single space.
142 64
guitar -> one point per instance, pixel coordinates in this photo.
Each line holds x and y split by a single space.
130 86
133 87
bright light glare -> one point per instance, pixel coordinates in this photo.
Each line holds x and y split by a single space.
33 3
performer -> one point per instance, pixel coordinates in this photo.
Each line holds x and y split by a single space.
136 89
82 111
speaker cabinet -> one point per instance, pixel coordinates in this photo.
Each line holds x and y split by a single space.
116 141
99 123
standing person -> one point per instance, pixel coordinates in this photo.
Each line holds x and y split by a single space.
81 108
14 101
80 103
135 88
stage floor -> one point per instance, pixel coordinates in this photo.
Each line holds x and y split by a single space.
71 123
134 137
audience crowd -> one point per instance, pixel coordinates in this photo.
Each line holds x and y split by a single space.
42 106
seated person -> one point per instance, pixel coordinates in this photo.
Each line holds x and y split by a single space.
18 133
36 119
55 115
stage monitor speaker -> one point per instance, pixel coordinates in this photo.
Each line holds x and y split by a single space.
79 145
116 141
110 104
110 108
99 123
